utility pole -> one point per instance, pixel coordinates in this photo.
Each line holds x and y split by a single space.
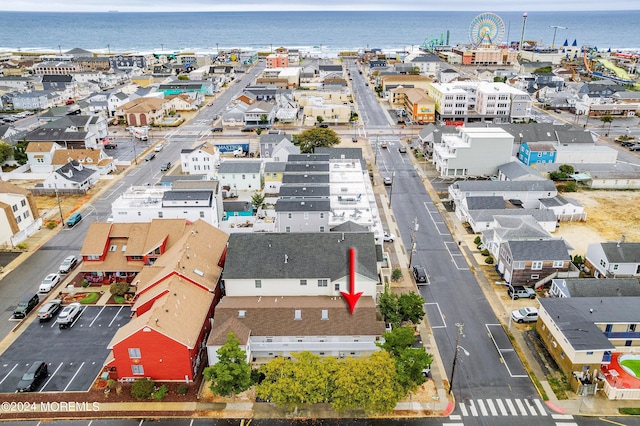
455 355
375 155
59 206
414 231
393 174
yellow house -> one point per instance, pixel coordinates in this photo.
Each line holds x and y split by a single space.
142 80
273 171
418 106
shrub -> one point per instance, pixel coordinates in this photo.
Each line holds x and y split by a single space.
142 388
118 299
111 383
570 186
160 393
22 246
488 260
182 389
119 289
90 298
477 240
51 224
396 274
85 283
485 252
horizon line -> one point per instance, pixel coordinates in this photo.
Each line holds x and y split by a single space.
318 10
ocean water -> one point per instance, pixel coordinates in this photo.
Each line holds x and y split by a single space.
324 33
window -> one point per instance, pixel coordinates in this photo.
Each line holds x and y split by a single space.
535 277
138 370
23 203
615 267
201 214
558 263
134 353
536 264
288 215
113 247
322 229
297 315
258 283
14 208
322 283
325 314
242 313
336 286
306 215
244 177
287 229
303 282
321 215
26 215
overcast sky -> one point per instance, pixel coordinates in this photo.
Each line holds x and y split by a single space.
277 5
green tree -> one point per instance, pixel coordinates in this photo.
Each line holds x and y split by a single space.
411 307
231 374
389 306
567 169
414 71
368 383
19 152
119 288
319 119
311 139
5 152
257 199
397 340
606 119
353 117
409 366
183 77
264 119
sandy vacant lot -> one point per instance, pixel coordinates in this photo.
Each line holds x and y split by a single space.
610 215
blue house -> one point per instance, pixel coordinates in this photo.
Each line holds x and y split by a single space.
537 152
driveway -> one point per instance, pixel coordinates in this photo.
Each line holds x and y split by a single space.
75 355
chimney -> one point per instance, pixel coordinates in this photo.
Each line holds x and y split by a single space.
286 258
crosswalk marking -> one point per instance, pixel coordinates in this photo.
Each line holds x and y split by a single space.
521 407
492 408
503 410
506 407
561 416
540 407
483 410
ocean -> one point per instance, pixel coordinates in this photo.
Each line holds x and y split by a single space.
322 33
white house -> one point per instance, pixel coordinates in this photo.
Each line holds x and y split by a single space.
19 217
40 156
244 175
528 193
201 160
614 259
566 209
72 176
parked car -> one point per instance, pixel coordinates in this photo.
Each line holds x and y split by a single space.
110 218
49 309
68 264
323 126
402 150
420 274
387 180
634 147
110 146
150 156
247 129
627 144
48 283
527 314
33 376
517 291
69 314
74 219
388 237
165 166
26 305
354 139
383 144
159 147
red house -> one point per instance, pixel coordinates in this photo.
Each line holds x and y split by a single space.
172 311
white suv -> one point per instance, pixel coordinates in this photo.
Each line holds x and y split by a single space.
525 315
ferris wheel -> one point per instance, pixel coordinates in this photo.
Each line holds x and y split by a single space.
486 29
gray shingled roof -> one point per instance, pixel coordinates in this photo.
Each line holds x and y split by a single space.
520 228
188 195
349 226
303 205
501 185
558 201
307 167
574 137
309 157
576 318
75 172
541 215
267 138
305 190
622 252
600 287
274 166
516 170
306 178
339 153
545 250
485 203
239 167
267 253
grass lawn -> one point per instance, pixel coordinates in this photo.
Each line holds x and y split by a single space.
633 365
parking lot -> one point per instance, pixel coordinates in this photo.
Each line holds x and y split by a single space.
75 355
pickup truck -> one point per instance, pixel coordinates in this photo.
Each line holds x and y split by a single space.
517 291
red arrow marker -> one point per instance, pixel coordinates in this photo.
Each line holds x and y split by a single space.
352 297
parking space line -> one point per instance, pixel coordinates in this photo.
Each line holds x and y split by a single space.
51 377
116 315
73 377
10 371
444 323
437 223
94 320
454 258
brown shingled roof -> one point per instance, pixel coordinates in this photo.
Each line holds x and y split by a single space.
274 316
218 336
40 147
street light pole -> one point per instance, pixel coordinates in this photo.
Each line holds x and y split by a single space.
393 174
59 206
